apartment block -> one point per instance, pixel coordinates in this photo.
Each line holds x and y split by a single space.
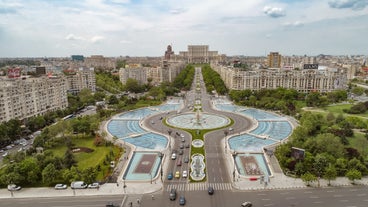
305 80
80 79
21 98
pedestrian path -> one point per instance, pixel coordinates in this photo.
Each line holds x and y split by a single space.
198 186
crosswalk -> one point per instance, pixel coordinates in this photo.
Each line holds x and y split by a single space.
198 186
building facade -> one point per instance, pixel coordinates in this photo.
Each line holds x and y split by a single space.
80 79
301 80
274 60
21 98
199 54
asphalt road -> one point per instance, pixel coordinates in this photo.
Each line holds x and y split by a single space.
355 196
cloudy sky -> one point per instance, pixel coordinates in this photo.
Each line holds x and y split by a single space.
145 27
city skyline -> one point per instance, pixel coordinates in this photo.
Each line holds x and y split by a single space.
37 28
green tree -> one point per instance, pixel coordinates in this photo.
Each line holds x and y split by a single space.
330 174
132 85
353 175
49 174
308 178
69 159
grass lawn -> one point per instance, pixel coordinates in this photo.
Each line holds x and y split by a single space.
360 143
85 160
337 109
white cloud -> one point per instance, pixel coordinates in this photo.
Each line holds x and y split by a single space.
97 39
348 4
294 24
274 12
74 37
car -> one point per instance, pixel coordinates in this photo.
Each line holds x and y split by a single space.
172 194
182 135
170 176
13 187
231 129
211 191
111 204
177 174
94 185
78 185
178 163
181 146
182 200
182 139
185 174
246 204
181 152
187 145
173 156
186 159
60 186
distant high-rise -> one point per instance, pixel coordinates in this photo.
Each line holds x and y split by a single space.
274 60
77 57
169 53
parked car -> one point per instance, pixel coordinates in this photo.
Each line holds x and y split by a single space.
170 176
78 185
211 191
172 194
111 204
60 186
94 185
185 174
13 187
246 204
177 174
186 159
182 200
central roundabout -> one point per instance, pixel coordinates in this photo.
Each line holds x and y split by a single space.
198 121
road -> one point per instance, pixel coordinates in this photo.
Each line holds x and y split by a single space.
355 196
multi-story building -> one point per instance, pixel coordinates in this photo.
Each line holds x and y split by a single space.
274 60
80 79
199 54
310 80
21 98
155 75
100 62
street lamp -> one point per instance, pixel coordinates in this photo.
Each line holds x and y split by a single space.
169 132
226 133
151 176
234 156
124 186
161 155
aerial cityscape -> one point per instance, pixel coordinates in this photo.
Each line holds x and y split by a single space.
135 103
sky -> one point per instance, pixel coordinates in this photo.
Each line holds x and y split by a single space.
60 28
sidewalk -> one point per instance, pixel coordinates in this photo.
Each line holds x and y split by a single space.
106 189
280 181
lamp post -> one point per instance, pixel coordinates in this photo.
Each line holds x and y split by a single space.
161 155
124 186
169 132
234 156
226 133
151 176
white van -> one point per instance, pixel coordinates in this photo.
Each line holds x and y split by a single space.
78 185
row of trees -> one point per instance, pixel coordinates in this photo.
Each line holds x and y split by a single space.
287 101
213 81
185 78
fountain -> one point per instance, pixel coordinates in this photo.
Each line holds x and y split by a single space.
197 167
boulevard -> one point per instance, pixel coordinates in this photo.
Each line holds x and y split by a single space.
317 197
